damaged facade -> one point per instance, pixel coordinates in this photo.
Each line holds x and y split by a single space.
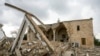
67 38
78 33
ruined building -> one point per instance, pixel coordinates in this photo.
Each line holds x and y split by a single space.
78 33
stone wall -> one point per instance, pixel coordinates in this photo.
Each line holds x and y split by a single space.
85 30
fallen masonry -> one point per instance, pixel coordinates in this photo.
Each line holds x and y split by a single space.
42 42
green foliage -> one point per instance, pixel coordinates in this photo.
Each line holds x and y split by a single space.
96 42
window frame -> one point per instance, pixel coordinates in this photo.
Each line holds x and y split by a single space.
83 41
78 28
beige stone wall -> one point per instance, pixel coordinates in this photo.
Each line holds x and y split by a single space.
31 36
86 31
50 34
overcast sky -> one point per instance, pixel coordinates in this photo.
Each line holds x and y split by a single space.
49 11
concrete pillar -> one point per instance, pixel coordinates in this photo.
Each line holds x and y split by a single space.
31 35
54 36
67 36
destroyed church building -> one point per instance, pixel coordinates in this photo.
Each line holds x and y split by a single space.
78 33
66 38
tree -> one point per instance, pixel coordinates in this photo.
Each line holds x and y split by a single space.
96 42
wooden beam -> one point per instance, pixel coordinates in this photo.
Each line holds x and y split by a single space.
18 53
26 12
19 35
43 37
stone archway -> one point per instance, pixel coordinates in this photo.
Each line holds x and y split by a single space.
61 33
50 34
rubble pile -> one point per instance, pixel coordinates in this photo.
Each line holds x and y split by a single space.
4 47
90 52
36 48
33 48
40 47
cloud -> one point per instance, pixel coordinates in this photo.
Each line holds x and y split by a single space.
8 28
9 17
50 11
95 5
39 8
58 6
87 12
